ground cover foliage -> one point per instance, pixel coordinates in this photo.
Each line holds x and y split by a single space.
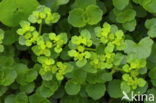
76 51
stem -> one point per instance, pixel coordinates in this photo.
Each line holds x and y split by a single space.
54 45
115 69
40 28
90 49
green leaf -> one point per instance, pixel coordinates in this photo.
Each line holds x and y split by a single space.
141 49
47 76
10 99
45 92
31 75
21 70
9 77
89 68
6 61
76 17
142 89
152 58
36 98
81 63
79 75
29 88
153 82
50 3
130 26
141 82
47 88
64 54
152 73
120 4
95 91
83 4
72 88
10 37
125 16
1 48
3 89
151 93
150 7
63 36
94 14
118 58
143 70
99 49
85 33
124 87
150 23
62 2
103 77
152 32
60 93
13 11
73 99
114 89
21 98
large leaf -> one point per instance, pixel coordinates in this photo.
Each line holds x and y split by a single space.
72 88
114 89
21 98
95 91
141 49
76 17
151 6
94 14
13 11
125 15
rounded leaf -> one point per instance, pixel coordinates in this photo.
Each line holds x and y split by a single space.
95 91
114 89
76 17
94 14
72 88
13 11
